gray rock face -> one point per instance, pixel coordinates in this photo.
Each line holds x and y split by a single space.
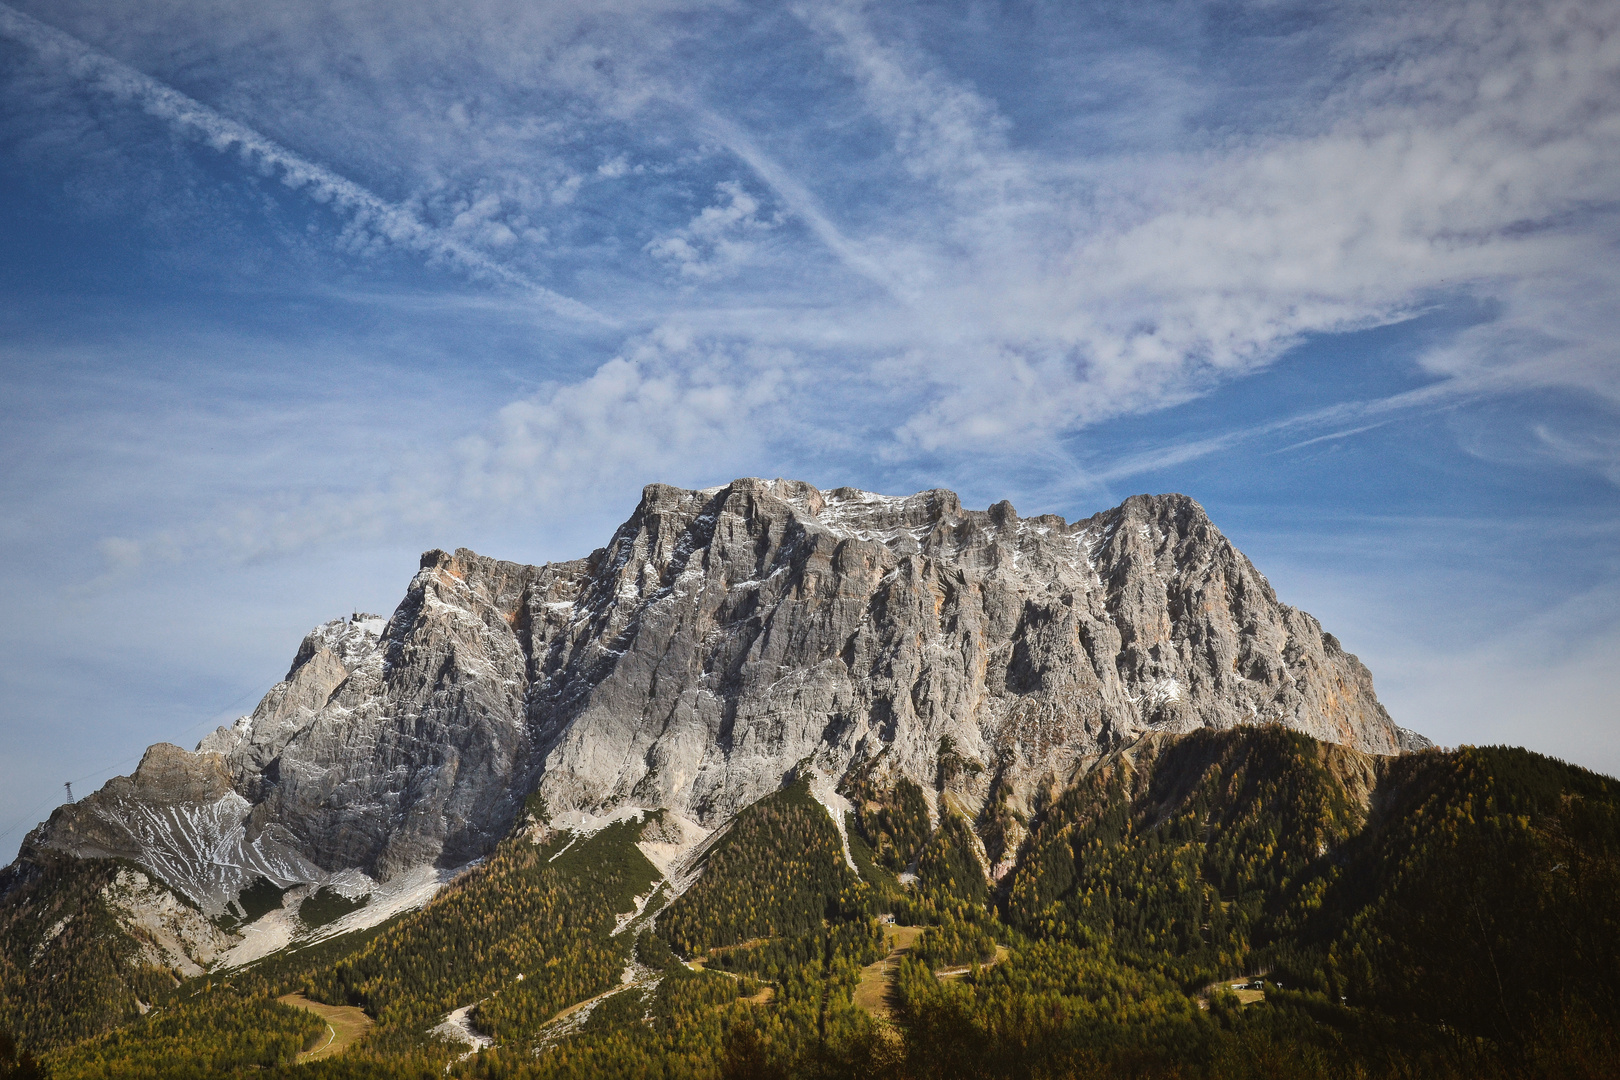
726 636
179 816
723 639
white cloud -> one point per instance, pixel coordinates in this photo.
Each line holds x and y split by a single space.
122 553
1543 679
370 219
1449 161
1022 293
720 240
944 131
670 407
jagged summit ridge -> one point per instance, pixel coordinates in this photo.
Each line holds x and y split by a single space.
723 640
748 628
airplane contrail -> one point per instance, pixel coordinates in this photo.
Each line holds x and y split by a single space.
801 202
365 208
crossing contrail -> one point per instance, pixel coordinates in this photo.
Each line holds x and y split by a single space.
364 208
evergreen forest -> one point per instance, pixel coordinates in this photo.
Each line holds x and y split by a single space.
1233 904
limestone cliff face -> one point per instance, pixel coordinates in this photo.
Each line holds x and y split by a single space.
722 640
725 637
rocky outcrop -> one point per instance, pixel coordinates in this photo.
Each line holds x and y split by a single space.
723 640
173 935
180 816
725 636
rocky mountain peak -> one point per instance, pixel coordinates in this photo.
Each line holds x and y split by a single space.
737 631
723 641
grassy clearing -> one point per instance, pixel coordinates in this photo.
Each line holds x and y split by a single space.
872 992
345 1024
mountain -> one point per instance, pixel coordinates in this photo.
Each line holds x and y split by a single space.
768 714
719 640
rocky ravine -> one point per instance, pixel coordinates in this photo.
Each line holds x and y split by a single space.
722 640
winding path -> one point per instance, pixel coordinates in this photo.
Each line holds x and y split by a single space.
872 992
344 1025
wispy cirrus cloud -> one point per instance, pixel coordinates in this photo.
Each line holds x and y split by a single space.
1072 302
369 219
1013 292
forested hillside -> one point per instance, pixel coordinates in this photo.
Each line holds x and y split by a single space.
1452 914
523 936
779 871
68 969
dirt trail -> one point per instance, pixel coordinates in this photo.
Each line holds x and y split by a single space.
574 1009
872 992
344 1025
645 979
958 972
699 963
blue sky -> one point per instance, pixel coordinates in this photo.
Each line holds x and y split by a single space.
288 296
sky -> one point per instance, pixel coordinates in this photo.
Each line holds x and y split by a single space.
292 292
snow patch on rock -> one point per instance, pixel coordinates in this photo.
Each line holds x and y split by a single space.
198 848
400 893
